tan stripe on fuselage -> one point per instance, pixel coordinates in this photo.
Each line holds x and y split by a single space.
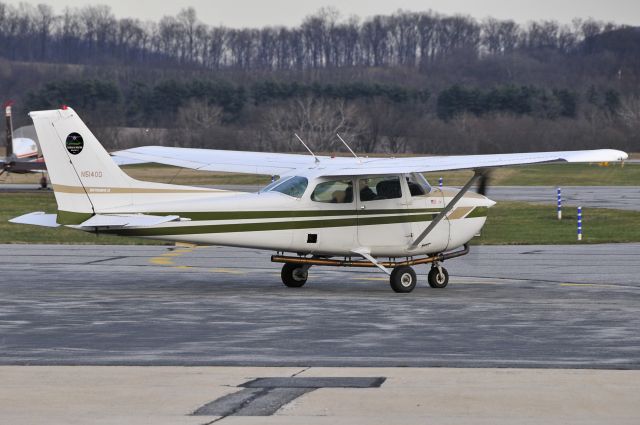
122 190
459 212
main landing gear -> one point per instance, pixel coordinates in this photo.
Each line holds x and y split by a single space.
294 275
403 278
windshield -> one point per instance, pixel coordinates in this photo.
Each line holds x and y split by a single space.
294 186
273 184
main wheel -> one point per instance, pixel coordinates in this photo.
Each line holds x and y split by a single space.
294 275
438 277
403 279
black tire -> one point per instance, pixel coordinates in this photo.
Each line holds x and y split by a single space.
294 275
403 279
436 280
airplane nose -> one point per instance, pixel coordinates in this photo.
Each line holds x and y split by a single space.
478 200
490 202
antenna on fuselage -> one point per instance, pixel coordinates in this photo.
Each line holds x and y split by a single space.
307 147
350 150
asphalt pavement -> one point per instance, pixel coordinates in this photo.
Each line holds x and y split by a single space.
506 306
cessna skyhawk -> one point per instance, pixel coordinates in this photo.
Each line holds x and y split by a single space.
355 212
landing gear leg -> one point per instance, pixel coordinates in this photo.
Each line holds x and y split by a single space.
403 279
438 276
294 275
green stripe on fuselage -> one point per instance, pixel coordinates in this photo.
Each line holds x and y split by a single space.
266 226
248 215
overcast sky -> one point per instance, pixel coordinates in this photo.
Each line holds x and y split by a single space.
257 13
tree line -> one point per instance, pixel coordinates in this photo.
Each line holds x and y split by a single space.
377 117
405 82
158 104
93 35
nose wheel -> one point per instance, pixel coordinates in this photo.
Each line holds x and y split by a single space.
438 276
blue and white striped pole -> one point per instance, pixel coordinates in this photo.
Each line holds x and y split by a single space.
559 204
440 181
579 223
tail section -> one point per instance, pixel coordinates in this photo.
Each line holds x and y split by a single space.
85 179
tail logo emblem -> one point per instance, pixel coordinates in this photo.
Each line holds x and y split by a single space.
74 143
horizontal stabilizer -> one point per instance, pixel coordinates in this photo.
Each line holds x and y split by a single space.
37 219
131 220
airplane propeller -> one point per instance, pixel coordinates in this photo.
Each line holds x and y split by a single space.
483 184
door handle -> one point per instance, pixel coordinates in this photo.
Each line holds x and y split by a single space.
362 207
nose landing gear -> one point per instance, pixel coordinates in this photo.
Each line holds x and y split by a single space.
438 276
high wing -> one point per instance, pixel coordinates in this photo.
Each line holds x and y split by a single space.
121 160
281 164
464 162
225 161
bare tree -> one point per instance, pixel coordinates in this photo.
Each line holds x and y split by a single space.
629 113
317 120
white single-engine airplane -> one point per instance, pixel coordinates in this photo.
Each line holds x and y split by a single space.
355 212
21 152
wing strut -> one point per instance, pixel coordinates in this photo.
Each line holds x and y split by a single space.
477 174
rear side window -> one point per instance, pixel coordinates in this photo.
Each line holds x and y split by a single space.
377 188
334 192
294 186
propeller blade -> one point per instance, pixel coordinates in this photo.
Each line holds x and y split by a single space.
483 184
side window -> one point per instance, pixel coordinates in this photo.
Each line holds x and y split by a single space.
377 188
418 185
294 186
334 192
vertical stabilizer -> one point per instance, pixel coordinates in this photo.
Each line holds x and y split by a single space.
84 177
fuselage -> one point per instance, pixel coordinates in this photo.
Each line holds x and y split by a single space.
308 214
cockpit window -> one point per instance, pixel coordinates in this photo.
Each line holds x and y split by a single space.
335 192
294 186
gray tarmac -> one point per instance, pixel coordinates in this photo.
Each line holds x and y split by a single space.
506 306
